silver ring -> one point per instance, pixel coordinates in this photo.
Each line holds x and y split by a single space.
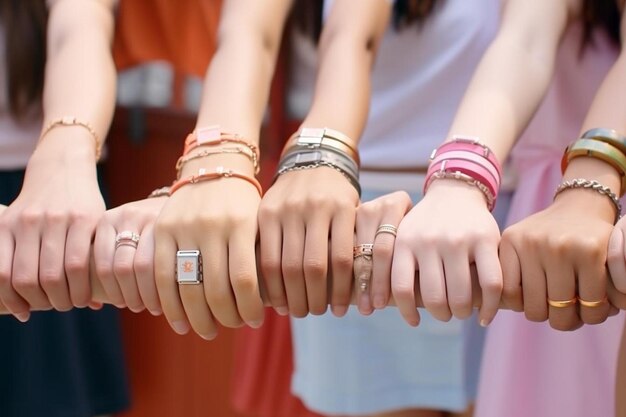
386 228
188 267
365 250
127 238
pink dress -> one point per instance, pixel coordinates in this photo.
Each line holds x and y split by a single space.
528 369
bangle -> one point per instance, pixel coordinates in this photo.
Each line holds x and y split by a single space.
598 150
492 175
459 176
213 136
207 152
595 186
470 144
610 136
315 138
160 192
220 172
317 164
73 121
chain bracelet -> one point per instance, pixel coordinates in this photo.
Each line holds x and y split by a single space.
594 186
318 165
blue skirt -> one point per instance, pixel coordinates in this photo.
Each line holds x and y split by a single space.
60 364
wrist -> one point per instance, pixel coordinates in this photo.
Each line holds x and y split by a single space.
587 203
70 144
458 191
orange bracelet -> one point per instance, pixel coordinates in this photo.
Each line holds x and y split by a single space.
213 136
207 152
220 172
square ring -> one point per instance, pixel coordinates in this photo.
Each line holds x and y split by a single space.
188 267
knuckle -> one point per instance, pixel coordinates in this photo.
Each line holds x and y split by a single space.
493 287
314 268
319 202
268 212
51 279
270 265
292 269
342 261
30 217
243 283
75 265
123 269
402 291
294 205
24 284
143 264
54 217
384 248
435 304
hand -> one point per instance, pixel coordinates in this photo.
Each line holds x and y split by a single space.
127 272
219 218
617 256
386 210
441 237
559 254
297 217
46 233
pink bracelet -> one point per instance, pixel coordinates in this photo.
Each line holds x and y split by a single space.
470 157
478 172
471 144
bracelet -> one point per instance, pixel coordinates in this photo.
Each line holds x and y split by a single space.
610 136
470 144
160 192
317 164
207 152
598 150
308 156
220 172
213 136
490 170
73 121
315 138
459 176
595 186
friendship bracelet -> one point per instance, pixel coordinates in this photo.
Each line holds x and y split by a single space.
598 150
73 121
220 172
594 186
610 136
160 192
213 136
459 176
315 138
207 152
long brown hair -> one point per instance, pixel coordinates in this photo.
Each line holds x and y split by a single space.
24 24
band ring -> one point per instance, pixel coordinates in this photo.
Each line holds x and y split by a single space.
365 250
386 228
562 304
188 267
127 238
592 304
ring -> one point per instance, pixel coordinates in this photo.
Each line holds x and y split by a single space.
188 267
592 304
365 250
386 228
127 238
562 304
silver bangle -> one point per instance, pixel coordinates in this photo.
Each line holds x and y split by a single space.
594 186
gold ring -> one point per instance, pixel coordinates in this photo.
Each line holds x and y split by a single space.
562 304
592 304
365 250
386 228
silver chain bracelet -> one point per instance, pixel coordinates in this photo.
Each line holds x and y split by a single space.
595 186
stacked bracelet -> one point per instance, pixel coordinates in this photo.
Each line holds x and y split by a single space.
208 152
594 186
467 159
73 121
219 173
314 148
160 192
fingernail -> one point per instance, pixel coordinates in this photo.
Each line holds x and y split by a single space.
255 324
23 317
208 337
180 327
156 312
283 310
339 311
484 322
379 302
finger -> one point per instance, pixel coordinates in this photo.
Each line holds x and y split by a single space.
292 266
104 252
561 286
511 276
243 276
14 303
124 271
25 276
592 281
51 268
218 291
383 255
315 264
366 223
271 240
490 279
403 269
165 274
458 282
617 259
433 284
341 250
77 251
534 287
144 271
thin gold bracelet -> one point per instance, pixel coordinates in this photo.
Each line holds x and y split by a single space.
73 121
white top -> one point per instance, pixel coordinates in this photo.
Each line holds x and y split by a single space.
17 140
419 78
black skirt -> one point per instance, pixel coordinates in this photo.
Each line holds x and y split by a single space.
60 364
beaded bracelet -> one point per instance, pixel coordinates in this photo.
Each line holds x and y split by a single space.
73 121
220 172
598 150
595 186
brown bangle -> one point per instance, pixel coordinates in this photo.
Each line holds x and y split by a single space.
220 172
322 137
207 152
610 136
73 121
